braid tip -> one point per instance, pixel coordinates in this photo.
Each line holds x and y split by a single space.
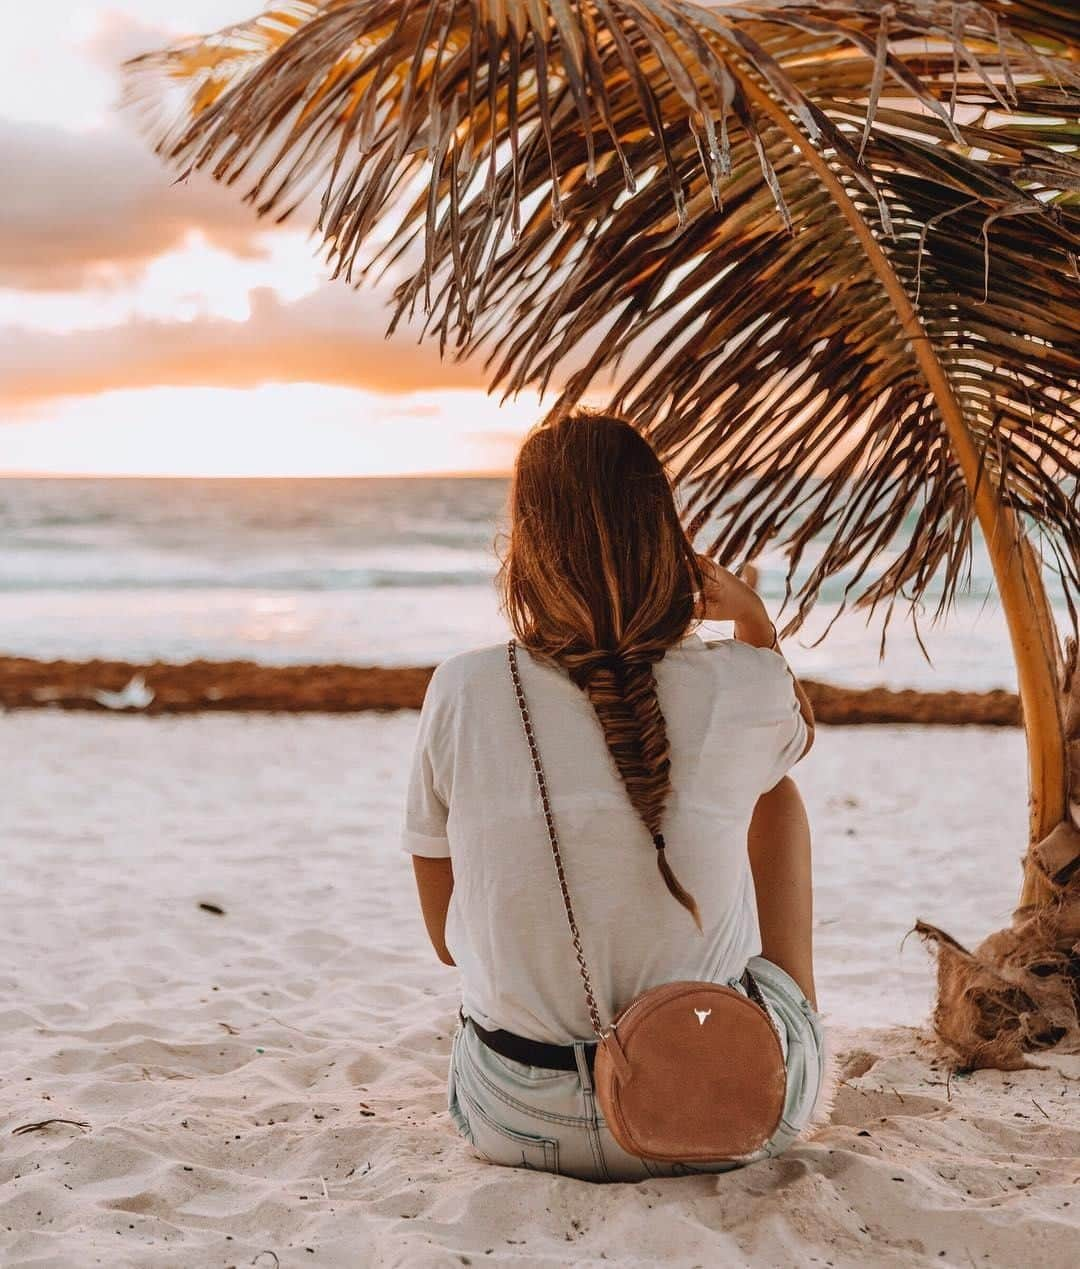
671 881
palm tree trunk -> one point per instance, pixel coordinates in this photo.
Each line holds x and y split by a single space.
1038 671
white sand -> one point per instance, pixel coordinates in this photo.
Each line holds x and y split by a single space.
271 1080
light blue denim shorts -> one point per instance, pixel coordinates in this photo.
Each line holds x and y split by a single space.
532 1117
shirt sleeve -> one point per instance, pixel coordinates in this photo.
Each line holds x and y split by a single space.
424 827
790 731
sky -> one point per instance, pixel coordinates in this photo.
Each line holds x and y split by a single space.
151 328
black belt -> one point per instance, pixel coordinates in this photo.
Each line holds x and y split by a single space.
558 1057
553 1057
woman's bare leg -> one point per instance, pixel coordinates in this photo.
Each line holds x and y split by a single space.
779 845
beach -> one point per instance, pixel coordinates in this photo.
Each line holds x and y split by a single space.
791 289
212 962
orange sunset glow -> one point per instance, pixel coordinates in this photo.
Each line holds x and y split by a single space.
149 327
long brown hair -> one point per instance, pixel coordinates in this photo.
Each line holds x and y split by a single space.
599 577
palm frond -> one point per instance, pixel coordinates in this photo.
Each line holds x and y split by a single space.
801 240
1054 23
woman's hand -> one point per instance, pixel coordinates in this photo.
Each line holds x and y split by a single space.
726 597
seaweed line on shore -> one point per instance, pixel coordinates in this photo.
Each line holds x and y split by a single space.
199 686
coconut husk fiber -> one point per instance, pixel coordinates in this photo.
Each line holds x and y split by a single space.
1018 992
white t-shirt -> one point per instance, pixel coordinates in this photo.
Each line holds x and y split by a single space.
734 728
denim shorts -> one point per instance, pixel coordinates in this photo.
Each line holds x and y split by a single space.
532 1117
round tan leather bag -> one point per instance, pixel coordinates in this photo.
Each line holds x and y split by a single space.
689 1071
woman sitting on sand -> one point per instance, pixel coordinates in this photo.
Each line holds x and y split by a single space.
686 847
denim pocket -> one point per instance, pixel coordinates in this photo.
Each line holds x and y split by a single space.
780 978
501 1144
453 1101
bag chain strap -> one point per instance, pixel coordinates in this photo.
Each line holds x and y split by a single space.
541 784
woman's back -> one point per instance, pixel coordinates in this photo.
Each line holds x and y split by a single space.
734 728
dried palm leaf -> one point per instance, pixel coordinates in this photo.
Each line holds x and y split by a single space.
1051 23
811 245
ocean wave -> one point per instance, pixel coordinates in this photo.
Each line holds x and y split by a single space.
272 579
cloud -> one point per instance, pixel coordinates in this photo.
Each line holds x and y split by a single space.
86 209
333 336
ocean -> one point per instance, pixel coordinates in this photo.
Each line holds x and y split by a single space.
381 571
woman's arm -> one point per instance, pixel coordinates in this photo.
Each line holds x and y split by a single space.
779 845
779 837
728 598
435 885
